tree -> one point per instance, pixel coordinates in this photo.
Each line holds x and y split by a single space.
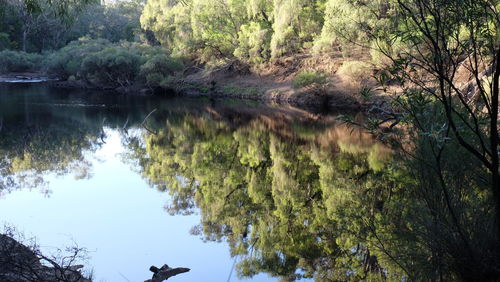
170 21
295 22
253 31
449 72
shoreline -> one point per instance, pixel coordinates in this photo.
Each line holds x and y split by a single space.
309 98
224 85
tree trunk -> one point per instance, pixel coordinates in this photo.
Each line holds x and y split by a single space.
25 35
494 140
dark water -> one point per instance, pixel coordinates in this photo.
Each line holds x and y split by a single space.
201 184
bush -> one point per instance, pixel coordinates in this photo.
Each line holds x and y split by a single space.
356 70
254 43
159 70
14 61
116 64
67 61
393 49
4 41
309 77
113 65
162 64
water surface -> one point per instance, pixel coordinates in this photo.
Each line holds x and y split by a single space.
143 181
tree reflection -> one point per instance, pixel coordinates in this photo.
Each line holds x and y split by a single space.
44 145
41 135
294 194
290 201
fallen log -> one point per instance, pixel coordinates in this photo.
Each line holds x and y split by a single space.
165 272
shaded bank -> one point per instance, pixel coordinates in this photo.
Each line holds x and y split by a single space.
135 68
25 78
20 263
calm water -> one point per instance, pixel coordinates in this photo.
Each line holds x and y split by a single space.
140 181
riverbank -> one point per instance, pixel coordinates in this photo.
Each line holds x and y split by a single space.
24 77
327 82
272 83
20 263
340 89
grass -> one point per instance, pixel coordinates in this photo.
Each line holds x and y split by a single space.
240 91
308 78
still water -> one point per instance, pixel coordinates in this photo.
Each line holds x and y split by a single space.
229 190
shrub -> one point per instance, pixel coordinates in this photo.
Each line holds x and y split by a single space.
4 41
14 61
309 77
68 60
240 91
162 64
159 69
356 70
380 48
114 65
154 79
254 43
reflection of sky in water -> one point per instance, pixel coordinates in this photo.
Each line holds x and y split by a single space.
120 220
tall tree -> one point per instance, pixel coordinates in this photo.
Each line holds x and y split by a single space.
449 72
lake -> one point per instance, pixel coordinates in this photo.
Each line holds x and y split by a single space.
208 185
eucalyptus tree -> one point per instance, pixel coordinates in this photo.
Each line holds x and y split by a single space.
170 21
24 21
295 22
250 30
449 72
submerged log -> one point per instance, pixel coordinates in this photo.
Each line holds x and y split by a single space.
165 272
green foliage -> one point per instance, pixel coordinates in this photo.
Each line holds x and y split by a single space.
45 144
158 70
348 22
253 31
214 29
259 30
4 41
327 203
254 43
113 64
13 61
40 25
61 7
68 60
114 21
308 78
366 93
170 21
455 139
295 22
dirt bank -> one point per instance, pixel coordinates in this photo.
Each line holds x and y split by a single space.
273 82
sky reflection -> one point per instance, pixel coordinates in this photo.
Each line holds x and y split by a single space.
120 219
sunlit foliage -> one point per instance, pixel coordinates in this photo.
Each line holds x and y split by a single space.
253 31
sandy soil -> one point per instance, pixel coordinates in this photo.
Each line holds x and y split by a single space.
272 82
